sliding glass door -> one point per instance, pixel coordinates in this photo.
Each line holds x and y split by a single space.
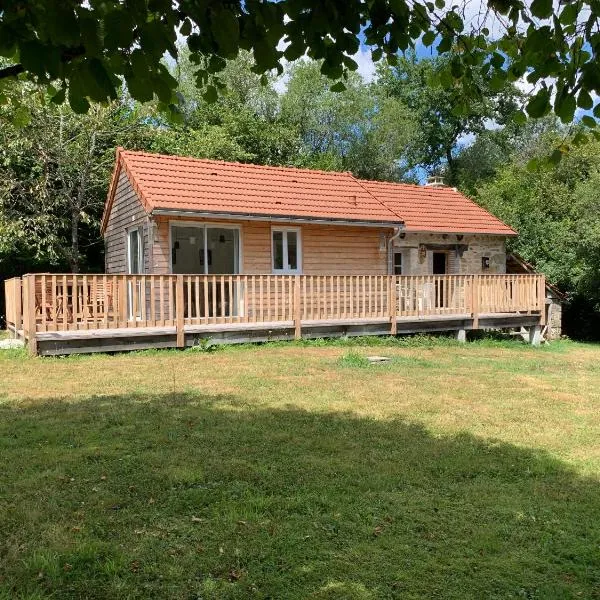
208 250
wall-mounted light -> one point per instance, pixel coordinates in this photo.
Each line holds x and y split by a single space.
460 237
422 252
192 240
402 235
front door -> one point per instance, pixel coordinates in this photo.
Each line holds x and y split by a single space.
440 263
440 267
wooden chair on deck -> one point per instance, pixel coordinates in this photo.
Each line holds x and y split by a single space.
94 300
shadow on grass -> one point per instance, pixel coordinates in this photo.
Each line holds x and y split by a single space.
192 496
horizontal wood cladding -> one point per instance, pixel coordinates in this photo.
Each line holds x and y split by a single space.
326 249
127 212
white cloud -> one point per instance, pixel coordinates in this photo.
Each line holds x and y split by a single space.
366 66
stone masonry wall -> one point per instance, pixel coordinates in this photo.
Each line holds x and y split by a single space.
493 247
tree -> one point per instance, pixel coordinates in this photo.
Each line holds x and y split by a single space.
241 124
355 130
53 179
556 211
90 47
441 126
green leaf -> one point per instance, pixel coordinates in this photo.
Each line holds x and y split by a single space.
497 81
542 9
428 38
59 97
225 30
186 28
533 164
118 29
584 100
103 87
569 14
555 157
446 79
519 117
21 117
78 102
294 51
588 121
338 87
539 105
565 107
210 94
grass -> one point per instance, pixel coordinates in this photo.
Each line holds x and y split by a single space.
299 471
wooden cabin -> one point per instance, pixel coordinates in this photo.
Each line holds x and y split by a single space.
202 249
170 215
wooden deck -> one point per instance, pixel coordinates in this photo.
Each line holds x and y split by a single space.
66 313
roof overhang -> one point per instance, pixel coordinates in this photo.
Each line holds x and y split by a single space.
511 233
163 212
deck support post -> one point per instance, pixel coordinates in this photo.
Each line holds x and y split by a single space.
31 319
18 299
461 335
475 301
179 312
392 304
542 298
297 309
535 335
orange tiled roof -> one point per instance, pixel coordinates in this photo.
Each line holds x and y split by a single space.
442 209
174 183
180 184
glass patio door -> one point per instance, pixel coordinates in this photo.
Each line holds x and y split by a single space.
208 250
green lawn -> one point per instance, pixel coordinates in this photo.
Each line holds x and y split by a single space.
295 471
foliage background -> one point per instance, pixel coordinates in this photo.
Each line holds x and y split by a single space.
55 164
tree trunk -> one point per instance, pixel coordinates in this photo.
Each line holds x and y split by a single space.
451 163
74 258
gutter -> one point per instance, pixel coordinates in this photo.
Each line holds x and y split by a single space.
275 219
397 232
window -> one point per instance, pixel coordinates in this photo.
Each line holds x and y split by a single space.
397 263
286 250
205 249
135 251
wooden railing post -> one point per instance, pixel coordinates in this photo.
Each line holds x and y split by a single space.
475 301
31 316
18 305
392 304
180 312
297 309
542 298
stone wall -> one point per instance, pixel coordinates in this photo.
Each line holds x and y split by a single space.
555 318
464 255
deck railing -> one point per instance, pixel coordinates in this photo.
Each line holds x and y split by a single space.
69 302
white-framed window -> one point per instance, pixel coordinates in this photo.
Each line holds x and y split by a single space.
397 263
286 250
135 251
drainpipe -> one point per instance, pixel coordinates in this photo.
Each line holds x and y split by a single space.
397 232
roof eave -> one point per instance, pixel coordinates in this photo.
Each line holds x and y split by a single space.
510 233
274 218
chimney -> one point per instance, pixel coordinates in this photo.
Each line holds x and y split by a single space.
435 181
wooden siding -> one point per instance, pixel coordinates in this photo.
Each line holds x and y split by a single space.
127 212
326 249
